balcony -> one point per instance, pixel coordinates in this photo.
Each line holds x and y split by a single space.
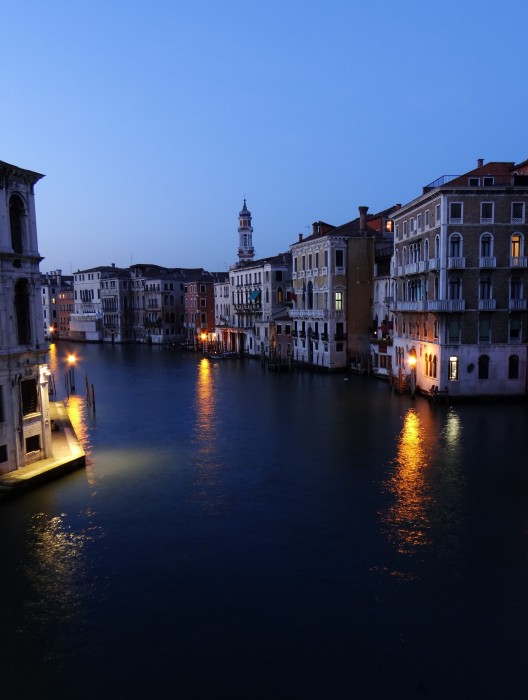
456 263
519 261
487 304
410 306
310 313
517 305
488 261
448 305
434 263
247 308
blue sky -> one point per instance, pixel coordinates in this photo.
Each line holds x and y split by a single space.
153 120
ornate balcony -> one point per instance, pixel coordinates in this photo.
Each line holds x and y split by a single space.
517 305
488 261
518 261
487 304
456 263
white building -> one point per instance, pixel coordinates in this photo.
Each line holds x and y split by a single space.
25 429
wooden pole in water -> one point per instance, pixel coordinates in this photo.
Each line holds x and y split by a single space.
93 399
87 390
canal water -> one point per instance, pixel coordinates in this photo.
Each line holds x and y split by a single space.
244 534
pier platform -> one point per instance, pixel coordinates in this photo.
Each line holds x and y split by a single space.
68 455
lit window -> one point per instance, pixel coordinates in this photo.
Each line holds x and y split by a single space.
453 369
339 301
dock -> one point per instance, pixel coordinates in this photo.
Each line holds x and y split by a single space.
68 455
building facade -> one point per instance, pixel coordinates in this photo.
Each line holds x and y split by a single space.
25 427
460 283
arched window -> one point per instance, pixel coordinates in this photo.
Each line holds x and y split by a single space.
486 245
404 256
513 367
455 245
434 367
280 295
426 249
455 288
310 295
437 247
22 312
16 222
483 367
517 245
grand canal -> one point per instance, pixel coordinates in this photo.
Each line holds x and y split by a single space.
243 534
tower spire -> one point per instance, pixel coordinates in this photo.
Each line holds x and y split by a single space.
246 252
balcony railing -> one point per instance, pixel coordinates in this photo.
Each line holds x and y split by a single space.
487 261
487 304
446 305
247 308
457 262
518 261
517 304
310 313
410 306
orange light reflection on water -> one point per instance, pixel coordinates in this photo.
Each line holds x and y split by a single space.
407 517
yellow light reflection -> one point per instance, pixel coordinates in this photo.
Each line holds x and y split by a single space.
407 518
76 408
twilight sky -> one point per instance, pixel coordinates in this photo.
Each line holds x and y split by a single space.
152 120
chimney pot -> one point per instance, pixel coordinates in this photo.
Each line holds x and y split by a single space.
300 237
480 162
362 218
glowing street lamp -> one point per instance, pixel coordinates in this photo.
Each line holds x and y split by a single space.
203 338
71 371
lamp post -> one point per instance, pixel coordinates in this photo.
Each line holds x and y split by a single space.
203 338
412 365
71 372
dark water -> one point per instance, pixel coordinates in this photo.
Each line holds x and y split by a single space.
239 534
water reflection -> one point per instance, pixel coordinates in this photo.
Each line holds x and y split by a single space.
56 564
205 433
407 517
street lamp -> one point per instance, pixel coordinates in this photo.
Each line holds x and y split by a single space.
412 365
203 338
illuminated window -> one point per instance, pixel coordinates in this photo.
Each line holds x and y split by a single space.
339 301
453 369
516 245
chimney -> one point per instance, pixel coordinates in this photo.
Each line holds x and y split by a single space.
480 162
362 218
300 237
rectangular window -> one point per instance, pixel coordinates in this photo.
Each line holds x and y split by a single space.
404 229
295 264
33 443
397 231
517 213
288 329
452 374
279 329
455 212
28 389
488 181
486 212
278 275
317 260
419 222
474 182
310 261
326 258
339 258
412 225
339 301
3 453
437 215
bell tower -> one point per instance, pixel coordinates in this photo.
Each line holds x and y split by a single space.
246 252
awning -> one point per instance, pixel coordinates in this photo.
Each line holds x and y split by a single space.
254 295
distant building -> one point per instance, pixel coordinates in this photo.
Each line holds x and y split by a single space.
25 429
460 283
55 288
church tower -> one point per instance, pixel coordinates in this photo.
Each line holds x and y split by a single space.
246 252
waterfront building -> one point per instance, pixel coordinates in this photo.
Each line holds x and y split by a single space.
200 322
460 283
25 427
116 306
333 271
259 295
53 284
222 303
86 323
66 309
